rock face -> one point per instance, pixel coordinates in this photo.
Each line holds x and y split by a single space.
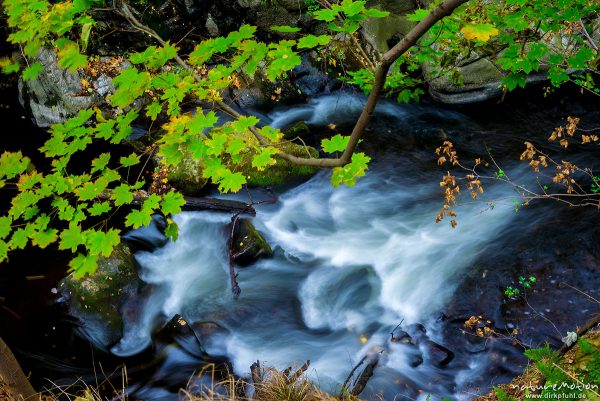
381 32
55 95
248 244
481 78
97 299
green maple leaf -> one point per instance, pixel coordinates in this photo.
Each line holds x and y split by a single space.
69 56
138 218
71 238
130 160
44 238
231 182
201 121
349 173
13 164
90 190
235 146
418 16
172 203
153 110
243 123
3 251
83 264
102 243
310 41
216 144
98 209
285 29
5 226
122 195
264 158
100 162
32 71
213 169
271 133
337 143
20 237
172 230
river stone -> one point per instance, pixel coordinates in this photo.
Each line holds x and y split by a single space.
211 26
97 299
481 81
248 244
379 31
437 354
55 95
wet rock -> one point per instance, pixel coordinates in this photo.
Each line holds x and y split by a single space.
55 95
437 354
299 129
402 337
308 79
211 26
415 360
97 299
148 238
248 244
382 33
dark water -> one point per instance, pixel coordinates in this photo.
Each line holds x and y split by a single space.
350 264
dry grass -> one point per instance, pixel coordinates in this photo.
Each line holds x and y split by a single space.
274 386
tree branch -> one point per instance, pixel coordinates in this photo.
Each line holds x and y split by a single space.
444 9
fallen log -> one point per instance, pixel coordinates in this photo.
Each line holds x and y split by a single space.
218 205
12 376
195 204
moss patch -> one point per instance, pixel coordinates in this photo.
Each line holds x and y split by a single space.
101 293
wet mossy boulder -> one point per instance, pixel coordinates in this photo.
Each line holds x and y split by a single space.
96 300
187 176
248 244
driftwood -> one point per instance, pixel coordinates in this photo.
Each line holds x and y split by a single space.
12 375
235 288
193 203
371 361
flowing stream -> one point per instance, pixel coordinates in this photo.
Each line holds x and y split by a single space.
350 264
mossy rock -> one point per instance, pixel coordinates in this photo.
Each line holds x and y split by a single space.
299 129
98 298
248 244
187 175
281 172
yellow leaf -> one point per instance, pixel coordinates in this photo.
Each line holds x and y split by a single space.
481 32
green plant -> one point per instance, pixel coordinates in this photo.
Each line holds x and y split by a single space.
526 284
312 6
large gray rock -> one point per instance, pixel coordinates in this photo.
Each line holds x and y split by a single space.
379 31
55 95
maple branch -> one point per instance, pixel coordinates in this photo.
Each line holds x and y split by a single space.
445 8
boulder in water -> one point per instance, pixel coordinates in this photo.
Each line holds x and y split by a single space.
187 176
248 244
437 354
97 299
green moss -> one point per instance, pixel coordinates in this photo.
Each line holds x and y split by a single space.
299 129
283 171
187 175
100 293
